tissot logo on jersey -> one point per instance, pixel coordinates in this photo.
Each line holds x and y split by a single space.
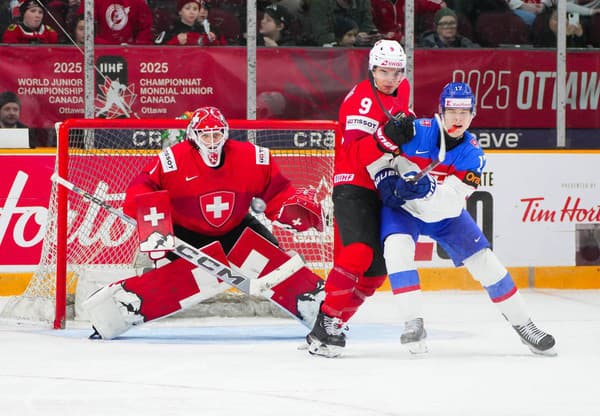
167 160
366 124
262 155
217 207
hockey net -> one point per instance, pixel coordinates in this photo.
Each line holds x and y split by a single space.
102 157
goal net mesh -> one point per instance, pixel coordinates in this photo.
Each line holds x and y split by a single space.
103 156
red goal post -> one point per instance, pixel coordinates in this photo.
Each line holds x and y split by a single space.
102 156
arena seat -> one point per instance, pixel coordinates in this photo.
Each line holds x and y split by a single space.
495 28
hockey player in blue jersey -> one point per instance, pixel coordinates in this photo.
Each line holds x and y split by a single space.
440 214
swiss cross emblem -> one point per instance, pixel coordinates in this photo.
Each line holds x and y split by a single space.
217 207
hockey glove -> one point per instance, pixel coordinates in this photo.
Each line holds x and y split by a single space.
385 182
423 188
398 131
301 212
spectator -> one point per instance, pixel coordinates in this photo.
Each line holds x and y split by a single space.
445 34
188 30
388 15
346 31
121 22
79 32
274 27
213 36
322 15
10 111
526 10
547 35
30 29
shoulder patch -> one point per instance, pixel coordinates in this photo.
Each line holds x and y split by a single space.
11 28
425 122
472 179
167 160
262 155
362 123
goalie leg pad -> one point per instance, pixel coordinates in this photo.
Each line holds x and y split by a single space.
288 282
112 310
153 295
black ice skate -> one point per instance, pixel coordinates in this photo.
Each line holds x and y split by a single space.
326 338
538 341
414 336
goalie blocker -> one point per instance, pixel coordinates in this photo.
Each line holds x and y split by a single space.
271 273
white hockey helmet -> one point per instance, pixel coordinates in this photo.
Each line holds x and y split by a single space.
388 54
209 130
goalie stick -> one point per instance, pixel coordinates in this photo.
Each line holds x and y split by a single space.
197 257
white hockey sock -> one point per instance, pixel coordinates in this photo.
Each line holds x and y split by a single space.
514 309
410 305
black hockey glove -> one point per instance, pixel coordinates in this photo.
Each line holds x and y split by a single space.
400 129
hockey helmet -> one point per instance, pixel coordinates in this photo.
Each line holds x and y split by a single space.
388 54
457 95
209 130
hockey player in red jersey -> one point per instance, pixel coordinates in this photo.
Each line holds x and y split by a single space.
211 182
361 163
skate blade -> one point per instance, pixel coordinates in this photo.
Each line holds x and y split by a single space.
551 352
419 347
322 350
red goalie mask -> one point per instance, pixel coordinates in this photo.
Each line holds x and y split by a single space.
209 130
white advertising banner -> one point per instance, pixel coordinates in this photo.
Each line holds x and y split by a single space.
538 208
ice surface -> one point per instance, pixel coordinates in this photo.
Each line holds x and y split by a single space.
251 366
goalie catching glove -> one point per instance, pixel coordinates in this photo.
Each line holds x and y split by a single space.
301 212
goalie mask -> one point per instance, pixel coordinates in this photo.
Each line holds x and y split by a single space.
209 130
388 54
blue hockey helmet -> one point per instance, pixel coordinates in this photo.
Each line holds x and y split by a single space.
457 95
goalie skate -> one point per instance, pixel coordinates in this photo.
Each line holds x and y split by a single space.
538 341
414 336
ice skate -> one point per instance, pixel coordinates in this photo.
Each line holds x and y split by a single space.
414 336
538 341
326 338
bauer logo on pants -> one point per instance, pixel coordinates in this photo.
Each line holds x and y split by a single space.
217 207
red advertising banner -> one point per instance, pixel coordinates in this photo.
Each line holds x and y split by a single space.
24 196
515 88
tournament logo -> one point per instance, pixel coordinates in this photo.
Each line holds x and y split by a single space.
217 207
114 96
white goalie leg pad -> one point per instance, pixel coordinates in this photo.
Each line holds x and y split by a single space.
485 267
112 311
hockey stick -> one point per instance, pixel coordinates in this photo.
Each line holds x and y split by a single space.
197 257
441 154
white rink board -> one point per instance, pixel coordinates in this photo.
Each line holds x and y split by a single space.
548 183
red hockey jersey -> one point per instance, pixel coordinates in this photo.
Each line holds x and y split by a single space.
122 21
21 34
213 201
360 116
